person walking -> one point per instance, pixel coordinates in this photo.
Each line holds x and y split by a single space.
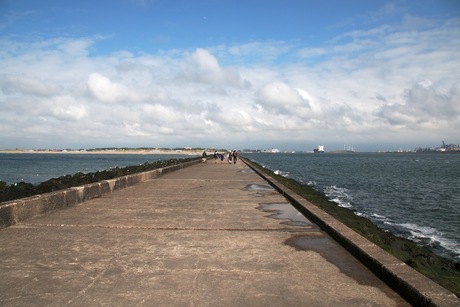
235 156
204 157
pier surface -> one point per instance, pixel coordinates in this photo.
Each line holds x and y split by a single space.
206 235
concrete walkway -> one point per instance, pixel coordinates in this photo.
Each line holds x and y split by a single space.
207 235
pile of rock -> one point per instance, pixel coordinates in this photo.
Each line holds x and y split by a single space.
23 189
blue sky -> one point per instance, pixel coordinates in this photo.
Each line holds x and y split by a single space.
292 75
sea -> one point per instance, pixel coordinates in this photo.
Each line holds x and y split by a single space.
39 167
412 195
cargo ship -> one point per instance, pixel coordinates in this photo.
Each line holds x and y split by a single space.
319 149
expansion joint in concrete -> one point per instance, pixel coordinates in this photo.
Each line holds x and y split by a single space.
289 230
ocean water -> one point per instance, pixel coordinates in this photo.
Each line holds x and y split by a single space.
416 196
36 168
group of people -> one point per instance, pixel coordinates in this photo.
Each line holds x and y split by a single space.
232 156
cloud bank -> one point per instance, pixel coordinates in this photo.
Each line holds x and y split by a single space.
385 87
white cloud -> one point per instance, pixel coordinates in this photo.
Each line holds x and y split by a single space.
280 98
28 85
365 86
424 104
103 89
66 108
202 66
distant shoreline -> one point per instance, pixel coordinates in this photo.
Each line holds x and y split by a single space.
191 152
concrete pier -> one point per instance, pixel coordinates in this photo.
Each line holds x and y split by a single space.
205 235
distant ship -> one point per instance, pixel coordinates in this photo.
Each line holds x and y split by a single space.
320 149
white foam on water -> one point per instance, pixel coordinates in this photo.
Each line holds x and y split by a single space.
381 218
402 190
282 173
430 236
339 195
378 216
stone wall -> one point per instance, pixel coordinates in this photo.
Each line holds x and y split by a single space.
15 211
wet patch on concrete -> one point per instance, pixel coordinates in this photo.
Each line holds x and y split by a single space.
258 187
261 189
285 211
335 254
246 171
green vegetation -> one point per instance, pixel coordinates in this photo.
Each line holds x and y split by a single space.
439 269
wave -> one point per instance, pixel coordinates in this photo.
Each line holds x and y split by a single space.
341 196
282 173
421 187
429 236
423 235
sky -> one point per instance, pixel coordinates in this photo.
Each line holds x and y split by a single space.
289 74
